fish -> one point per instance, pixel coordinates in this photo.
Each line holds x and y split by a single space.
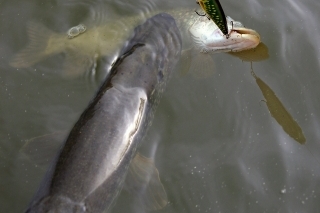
214 11
279 112
207 39
82 51
89 172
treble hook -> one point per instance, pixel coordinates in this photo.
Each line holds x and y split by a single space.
228 35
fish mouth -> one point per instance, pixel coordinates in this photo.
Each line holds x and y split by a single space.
209 38
244 39
247 31
239 39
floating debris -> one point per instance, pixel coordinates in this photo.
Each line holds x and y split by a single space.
75 31
283 191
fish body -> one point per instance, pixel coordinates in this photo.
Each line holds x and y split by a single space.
88 174
98 41
215 12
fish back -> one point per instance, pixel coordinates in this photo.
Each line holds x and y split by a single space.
89 172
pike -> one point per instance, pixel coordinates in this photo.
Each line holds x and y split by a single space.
83 44
90 170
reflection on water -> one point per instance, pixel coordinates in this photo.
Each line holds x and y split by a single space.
218 148
279 112
259 53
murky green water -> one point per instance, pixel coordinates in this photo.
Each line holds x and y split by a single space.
215 144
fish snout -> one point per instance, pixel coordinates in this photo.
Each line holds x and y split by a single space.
244 39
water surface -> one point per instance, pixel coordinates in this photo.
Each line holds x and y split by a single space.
215 144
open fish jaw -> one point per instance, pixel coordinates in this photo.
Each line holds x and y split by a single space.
209 38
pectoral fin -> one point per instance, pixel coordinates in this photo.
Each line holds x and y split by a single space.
78 63
200 65
143 180
185 61
42 149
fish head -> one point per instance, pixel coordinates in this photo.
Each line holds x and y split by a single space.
209 38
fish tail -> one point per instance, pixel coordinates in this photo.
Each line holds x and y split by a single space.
35 51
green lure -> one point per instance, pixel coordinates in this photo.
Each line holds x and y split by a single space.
215 12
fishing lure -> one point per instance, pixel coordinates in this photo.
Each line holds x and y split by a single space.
215 12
